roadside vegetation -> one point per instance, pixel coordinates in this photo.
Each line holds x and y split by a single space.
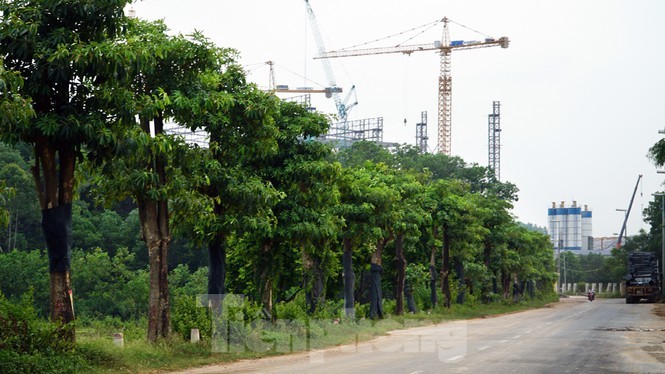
40 351
111 224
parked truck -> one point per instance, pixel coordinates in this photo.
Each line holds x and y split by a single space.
643 280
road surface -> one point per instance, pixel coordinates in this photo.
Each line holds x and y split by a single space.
572 336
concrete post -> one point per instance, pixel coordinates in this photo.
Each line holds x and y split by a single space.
195 335
118 339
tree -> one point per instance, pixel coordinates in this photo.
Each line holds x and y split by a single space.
5 193
153 165
304 219
23 209
456 229
354 186
383 198
412 217
239 119
61 49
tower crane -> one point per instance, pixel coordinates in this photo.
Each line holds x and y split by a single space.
445 48
342 107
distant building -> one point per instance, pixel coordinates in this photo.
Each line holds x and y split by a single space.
570 228
604 245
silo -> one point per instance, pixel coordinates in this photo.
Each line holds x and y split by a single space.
574 228
587 232
561 226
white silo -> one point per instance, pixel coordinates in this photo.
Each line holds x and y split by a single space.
562 225
574 231
587 232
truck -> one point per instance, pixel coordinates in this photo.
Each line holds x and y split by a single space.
643 280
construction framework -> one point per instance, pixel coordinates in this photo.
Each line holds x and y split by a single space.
198 137
421 133
345 133
494 139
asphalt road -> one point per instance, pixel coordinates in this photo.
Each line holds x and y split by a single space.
572 336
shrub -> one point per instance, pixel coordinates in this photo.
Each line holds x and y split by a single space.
29 344
362 310
389 306
294 310
188 314
23 332
330 310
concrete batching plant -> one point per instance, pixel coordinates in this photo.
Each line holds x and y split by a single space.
570 228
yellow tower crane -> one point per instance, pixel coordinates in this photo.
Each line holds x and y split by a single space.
445 48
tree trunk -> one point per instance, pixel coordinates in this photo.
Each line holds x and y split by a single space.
313 281
408 293
401 274
154 227
349 279
459 269
154 217
217 269
432 277
486 287
445 270
266 279
505 284
53 174
376 297
57 228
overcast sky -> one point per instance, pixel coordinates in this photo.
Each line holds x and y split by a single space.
582 85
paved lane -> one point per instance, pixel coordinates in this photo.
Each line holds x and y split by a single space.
572 336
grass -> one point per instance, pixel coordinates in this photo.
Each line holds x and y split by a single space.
95 344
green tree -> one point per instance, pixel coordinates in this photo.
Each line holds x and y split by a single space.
239 119
383 199
23 209
354 185
407 229
304 220
61 49
5 192
147 165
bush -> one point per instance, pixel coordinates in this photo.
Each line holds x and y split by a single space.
294 310
21 271
330 310
23 332
389 306
188 315
362 310
29 344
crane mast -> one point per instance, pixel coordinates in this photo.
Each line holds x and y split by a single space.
445 96
445 48
342 108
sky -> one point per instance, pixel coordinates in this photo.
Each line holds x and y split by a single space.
581 86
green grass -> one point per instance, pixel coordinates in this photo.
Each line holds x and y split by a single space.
95 344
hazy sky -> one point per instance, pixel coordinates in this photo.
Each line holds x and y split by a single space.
582 85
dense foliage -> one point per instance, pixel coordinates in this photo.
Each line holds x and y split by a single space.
263 210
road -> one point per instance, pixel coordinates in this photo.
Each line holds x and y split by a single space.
572 336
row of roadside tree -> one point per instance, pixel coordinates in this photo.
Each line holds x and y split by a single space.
89 92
